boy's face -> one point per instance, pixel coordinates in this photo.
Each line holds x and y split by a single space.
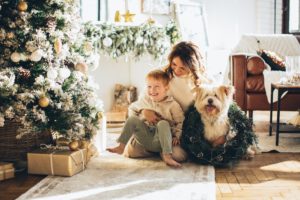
156 89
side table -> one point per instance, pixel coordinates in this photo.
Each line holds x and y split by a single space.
281 127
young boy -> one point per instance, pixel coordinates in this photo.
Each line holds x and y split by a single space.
157 136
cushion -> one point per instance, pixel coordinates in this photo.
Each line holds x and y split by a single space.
255 84
272 59
255 65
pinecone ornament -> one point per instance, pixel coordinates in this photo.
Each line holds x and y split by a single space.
24 73
51 22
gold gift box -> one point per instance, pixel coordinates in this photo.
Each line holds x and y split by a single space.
7 171
57 162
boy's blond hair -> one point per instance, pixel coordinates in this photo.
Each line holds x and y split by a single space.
159 75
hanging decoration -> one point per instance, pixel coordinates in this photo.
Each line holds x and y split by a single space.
117 40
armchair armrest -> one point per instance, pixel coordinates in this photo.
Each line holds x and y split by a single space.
238 64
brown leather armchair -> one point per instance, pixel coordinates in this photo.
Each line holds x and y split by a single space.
248 80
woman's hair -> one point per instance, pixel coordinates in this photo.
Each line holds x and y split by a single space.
159 75
190 56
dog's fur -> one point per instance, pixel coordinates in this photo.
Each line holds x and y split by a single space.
213 102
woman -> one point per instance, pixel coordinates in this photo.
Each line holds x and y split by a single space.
187 71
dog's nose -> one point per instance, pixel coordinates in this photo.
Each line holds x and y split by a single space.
210 101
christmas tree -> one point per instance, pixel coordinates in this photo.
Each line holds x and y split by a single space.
44 58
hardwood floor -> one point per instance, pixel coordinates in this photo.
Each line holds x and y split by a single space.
13 188
267 176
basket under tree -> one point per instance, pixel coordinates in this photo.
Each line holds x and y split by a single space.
44 87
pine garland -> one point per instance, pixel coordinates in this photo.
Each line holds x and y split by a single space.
201 151
119 40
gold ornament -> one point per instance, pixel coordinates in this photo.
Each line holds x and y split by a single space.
57 45
74 145
128 16
82 67
117 16
99 116
44 102
62 141
150 20
84 144
22 6
10 35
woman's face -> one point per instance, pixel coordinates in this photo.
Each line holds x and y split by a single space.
178 67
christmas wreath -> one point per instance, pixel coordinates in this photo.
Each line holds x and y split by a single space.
201 151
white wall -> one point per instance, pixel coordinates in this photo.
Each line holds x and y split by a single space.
125 71
226 22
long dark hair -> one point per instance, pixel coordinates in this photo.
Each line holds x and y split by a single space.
190 55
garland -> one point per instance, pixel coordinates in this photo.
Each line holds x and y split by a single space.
119 40
201 151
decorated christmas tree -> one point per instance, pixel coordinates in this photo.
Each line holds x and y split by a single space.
44 58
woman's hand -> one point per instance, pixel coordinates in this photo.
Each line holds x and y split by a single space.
150 116
175 141
220 140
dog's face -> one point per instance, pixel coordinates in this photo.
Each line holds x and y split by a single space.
213 101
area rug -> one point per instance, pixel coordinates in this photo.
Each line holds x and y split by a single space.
112 176
288 143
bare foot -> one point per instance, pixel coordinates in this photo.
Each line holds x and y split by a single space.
118 149
167 158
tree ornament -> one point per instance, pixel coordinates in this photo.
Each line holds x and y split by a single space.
51 22
22 6
57 45
82 67
37 55
24 73
74 145
128 16
107 41
44 102
88 48
117 16
10 35
52 73
15 57
84 144
64 73
99 116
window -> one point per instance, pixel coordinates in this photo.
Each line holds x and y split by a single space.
93 10
291 17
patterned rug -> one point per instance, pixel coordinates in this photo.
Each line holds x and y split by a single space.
112 176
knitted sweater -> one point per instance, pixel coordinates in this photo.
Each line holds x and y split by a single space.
168 109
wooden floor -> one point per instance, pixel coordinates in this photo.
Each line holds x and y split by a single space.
267 176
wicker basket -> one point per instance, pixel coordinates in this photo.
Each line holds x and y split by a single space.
12 149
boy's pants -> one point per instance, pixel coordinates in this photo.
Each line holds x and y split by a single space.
141 140
155 139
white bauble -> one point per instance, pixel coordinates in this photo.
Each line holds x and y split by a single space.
52 73
107 41
37 55
15 57
139 40
64 73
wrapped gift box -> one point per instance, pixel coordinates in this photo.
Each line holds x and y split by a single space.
57 162
7 171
